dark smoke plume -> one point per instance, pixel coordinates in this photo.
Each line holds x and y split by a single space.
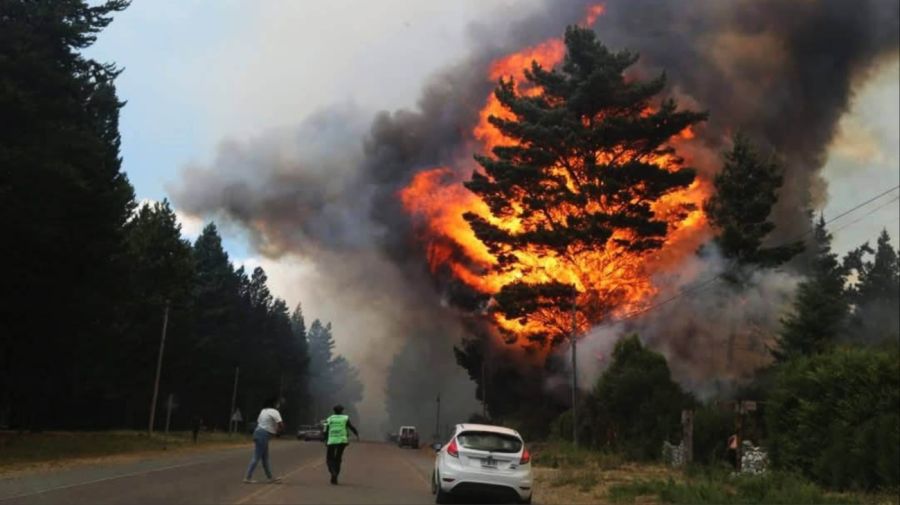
781 71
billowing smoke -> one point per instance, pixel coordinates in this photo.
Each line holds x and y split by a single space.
715 337
781 71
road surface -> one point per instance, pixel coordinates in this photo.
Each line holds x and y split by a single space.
372 473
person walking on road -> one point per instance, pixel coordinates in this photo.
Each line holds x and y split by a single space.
267 425
336 438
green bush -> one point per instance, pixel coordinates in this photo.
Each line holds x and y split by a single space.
561 427
636 405
834 417
712 427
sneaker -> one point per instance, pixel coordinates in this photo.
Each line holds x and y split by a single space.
275 480
249 481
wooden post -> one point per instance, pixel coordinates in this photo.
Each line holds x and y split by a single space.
159 359
687 435
169 404
739 432
574 338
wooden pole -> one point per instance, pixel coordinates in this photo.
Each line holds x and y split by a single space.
687 435
231 423
162 346
169 404
574 373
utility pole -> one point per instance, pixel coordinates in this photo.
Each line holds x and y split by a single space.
162 345
170 403
483 387
437 422
237 371
687 435
574 373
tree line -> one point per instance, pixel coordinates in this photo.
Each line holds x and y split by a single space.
93 276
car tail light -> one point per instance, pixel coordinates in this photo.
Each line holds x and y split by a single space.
452 449
526 457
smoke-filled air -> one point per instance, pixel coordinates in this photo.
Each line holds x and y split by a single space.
427 256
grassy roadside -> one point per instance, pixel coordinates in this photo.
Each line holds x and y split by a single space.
567 475
30 451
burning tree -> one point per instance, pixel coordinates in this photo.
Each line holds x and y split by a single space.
579 190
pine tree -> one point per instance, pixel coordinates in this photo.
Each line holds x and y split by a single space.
876 294
64 201
161 272
746 190
821 307
218 327
332 378
590 158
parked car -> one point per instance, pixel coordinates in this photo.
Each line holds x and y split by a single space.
482 462
408 437
311 432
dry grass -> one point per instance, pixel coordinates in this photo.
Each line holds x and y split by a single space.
564 474
30 452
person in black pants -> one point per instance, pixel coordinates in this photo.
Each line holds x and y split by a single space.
336 438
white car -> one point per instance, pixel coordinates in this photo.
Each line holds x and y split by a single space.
482 460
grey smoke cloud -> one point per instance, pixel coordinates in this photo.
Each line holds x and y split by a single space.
782 71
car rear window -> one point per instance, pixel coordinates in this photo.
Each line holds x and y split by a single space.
488 441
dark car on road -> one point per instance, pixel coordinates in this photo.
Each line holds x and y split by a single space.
311 432
408 437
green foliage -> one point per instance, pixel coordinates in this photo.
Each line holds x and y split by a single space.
585 165
746 190
712 427
876 292
770 488
561 427
64 202
636 405
835 417
821 307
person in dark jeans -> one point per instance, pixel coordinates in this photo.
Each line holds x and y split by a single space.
336 438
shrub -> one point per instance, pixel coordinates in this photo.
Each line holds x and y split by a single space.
712 427
834 417
636 404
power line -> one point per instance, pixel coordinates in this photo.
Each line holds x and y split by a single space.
867 214
704 284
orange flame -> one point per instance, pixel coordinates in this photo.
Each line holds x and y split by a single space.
612 278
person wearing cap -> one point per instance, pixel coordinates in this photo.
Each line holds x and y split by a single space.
336 439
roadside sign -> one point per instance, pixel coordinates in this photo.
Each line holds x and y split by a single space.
237 417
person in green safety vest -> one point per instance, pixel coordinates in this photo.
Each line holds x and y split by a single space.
336 438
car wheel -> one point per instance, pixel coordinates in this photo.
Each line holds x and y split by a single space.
526 501
441 496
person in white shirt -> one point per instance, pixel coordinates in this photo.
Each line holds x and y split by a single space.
268 424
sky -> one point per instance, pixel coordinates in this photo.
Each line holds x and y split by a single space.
198 73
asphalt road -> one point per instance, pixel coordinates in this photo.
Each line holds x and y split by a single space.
371 473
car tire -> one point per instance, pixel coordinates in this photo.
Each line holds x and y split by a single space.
526 501
441 496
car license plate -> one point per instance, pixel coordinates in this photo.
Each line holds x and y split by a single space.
489 463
